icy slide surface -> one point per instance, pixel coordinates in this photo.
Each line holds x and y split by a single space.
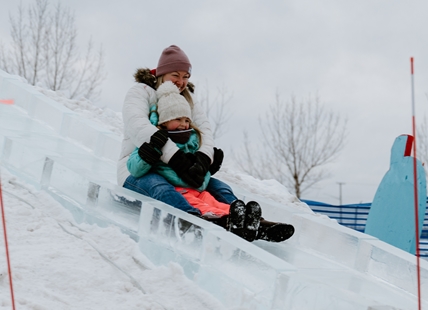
323 266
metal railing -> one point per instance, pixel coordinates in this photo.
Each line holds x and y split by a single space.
355 216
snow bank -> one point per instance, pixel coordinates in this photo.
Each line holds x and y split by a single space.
57 264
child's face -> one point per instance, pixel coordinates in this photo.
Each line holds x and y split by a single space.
179 78
181 123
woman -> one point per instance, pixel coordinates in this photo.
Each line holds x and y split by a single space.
192 168
173 66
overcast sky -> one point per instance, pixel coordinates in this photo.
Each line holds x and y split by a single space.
354 54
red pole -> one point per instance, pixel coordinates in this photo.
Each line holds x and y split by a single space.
415 185
9 269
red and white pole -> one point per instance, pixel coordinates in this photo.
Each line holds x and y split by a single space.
415 185
9 269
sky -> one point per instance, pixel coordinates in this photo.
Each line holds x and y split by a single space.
354 55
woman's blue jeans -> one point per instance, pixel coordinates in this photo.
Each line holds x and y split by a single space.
155 186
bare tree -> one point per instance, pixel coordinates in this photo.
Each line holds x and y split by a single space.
60 48
299 139
29 34
44 51
217 109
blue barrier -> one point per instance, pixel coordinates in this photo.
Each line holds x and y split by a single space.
355 216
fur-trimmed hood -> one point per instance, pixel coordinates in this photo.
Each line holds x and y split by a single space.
143 75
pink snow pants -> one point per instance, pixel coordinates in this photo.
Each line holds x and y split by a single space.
204 201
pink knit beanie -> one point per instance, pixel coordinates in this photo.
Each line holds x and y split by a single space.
173 59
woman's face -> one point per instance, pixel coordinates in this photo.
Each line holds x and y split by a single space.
181 123
179 78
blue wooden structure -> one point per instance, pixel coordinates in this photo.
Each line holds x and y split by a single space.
392 213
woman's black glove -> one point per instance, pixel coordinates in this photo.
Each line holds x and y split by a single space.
151 152
181 163
218 160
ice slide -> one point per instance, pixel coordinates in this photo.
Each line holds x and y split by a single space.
323 266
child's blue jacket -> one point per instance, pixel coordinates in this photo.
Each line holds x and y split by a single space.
138 167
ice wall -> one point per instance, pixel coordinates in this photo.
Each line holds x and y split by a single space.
323 266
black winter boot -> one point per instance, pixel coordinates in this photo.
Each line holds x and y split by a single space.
236 219
253 214
273 231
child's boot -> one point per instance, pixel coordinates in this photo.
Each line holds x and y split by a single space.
274 231
253 214
236 217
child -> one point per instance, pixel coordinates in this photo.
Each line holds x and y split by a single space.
173 118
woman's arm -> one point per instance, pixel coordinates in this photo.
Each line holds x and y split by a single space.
135 113
201 121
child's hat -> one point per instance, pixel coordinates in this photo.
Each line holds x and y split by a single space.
171 104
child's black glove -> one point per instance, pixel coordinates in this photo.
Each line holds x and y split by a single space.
218 160
151 152
181 163
201 166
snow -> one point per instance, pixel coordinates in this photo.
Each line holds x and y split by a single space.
106 117
271 189
57 264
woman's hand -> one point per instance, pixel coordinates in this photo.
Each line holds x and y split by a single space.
218 160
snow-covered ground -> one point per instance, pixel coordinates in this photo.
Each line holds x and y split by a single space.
57 264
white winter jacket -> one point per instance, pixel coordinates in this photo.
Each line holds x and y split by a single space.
138 129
